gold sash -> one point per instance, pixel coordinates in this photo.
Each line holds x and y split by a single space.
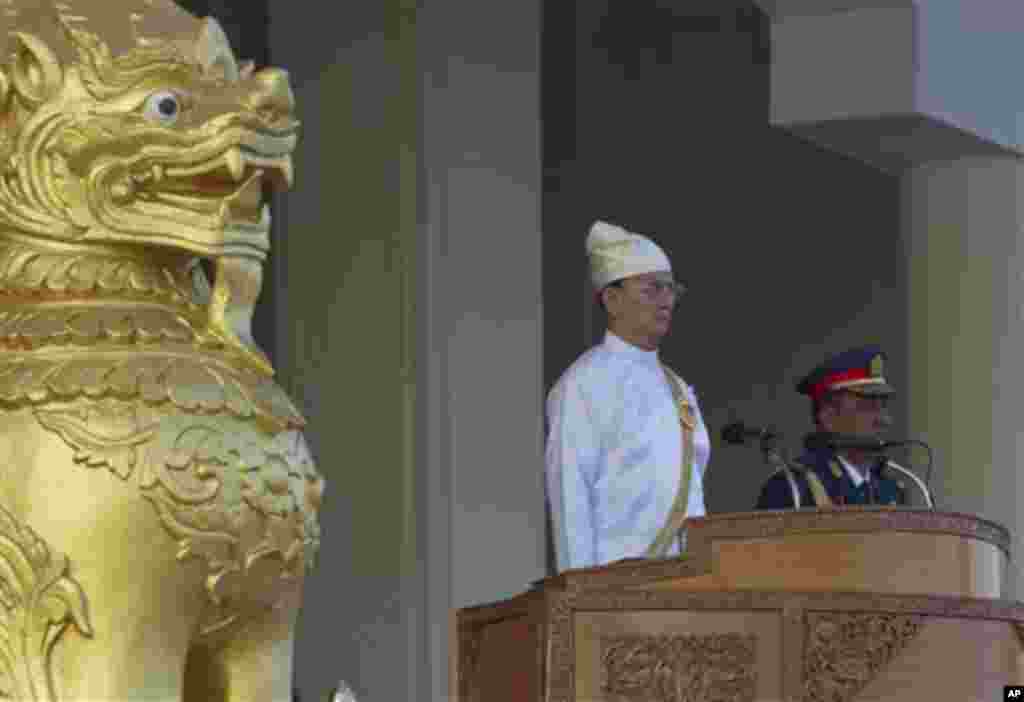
687 425
818 492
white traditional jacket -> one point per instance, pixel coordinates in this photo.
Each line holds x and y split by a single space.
614 455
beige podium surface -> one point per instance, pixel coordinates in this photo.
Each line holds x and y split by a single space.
852 603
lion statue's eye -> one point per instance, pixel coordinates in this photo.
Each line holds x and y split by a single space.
163 107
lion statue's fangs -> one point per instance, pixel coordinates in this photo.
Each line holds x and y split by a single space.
158 508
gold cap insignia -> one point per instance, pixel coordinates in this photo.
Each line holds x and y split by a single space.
875 369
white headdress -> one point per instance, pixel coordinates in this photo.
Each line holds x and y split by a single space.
616 253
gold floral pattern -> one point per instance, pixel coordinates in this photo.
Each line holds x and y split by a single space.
229 494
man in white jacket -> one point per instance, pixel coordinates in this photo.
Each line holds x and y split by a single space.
627 446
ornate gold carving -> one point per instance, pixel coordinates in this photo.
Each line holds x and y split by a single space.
230 497
186 380
134 146
39 601
687 668
38 273
166 144
845 651
126 165
32 329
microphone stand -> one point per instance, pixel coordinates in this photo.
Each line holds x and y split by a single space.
925 491
885 462
774 458
871 493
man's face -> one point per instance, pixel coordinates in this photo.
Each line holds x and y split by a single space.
861 415
642 305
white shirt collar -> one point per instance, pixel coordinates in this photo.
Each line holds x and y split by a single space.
618 345
855 475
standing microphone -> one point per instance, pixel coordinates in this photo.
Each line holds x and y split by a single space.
737 433
838 442
845 442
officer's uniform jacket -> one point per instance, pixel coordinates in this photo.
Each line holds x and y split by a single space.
879 489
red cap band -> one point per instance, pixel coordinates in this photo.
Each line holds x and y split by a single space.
819 389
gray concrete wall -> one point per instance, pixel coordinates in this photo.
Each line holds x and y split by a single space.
345 250
480 309
408 312
962 222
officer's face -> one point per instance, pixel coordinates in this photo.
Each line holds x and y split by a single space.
642 305
863 415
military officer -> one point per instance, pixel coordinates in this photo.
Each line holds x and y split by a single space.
850 396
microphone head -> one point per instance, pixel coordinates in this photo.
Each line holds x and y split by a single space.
735 433
819 440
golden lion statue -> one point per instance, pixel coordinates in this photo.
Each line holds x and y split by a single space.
158 506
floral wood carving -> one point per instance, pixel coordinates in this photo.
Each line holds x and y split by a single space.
39 600
1019 628
562 606
845 651
687 668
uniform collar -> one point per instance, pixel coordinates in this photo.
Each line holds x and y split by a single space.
855 474
616 344
827 461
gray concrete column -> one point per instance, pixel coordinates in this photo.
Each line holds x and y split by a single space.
479 346
346 237
962 223
409 324
919 89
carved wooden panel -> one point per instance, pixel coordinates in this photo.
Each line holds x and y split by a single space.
845 651
711 668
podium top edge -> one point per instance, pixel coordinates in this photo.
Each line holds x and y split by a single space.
853 518
703 531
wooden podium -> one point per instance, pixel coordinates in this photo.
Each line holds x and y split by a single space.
852 603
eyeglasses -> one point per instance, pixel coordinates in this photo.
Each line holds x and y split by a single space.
656 289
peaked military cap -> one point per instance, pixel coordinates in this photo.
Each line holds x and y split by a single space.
860 370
